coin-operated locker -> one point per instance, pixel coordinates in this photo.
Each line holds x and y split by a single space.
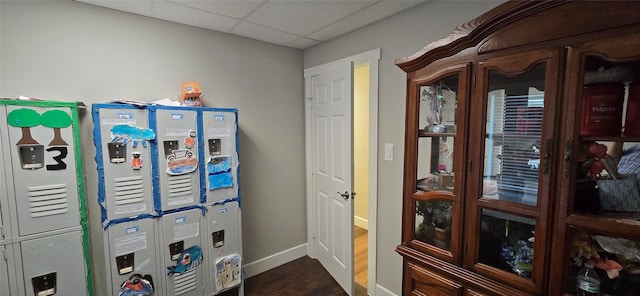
7 279
134 264
177 156
6 282
42 204
53 265
43 168
182 253
123 152
4 273
220 154
5 231
223 247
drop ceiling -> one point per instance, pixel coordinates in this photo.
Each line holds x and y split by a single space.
292 23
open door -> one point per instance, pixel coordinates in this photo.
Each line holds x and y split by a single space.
332 176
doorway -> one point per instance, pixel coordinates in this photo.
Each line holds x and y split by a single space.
360 175
366 63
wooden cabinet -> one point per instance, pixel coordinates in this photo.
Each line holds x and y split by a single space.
508 190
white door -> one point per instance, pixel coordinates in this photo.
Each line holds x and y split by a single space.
331 114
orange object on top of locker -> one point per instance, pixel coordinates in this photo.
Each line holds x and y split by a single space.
190 94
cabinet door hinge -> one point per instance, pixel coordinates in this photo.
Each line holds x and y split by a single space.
4 254
1 232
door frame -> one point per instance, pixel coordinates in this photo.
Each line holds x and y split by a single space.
370 58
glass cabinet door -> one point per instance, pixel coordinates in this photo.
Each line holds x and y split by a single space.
435 197
514 140
437 135
599 181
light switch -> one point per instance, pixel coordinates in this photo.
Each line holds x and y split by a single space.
388 151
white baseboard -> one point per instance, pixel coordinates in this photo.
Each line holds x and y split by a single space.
381 291
361 222
275 260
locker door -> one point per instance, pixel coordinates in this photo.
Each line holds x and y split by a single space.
182 253
222 242
125 152
2 227
177 158
42 150
133 253
221 157
4 272
4 202
54 264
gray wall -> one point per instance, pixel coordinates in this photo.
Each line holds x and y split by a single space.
64 50
398 36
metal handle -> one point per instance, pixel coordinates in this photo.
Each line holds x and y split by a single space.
346 195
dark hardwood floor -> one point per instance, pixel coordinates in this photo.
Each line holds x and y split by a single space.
303 276
306 277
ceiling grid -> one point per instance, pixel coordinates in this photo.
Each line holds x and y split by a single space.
292 23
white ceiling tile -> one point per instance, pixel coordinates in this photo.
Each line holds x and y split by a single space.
180 14
303 17
362 18
262 33
133 6
303 43
233 8
293 23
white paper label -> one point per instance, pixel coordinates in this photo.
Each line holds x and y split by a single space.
177 132
180 200
185 231
130 243
126 209
118 121
218 132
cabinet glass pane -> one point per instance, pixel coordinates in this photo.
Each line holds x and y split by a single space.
435 163
514 127
433 223
437 130
506 242
608 170
438 105
616 262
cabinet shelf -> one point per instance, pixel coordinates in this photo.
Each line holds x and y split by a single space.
616 226
509 136
434 195
422 133
611 138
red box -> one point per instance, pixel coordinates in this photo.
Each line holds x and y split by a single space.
602 109
632 121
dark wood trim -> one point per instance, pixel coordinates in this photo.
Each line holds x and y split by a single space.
454 272
469 34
